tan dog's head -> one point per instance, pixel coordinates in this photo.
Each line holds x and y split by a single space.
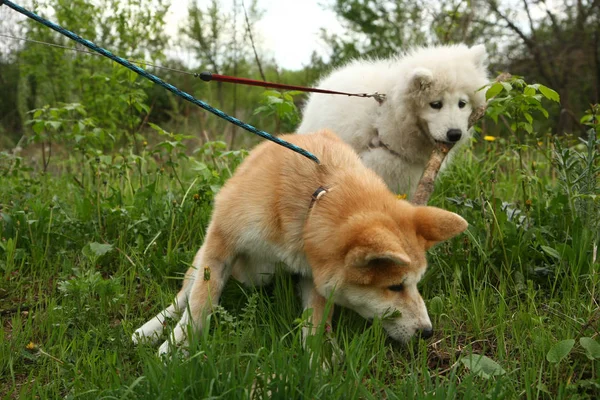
380 258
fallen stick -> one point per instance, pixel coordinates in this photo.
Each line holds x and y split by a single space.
425 187
440 150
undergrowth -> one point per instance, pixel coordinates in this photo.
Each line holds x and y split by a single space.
97 244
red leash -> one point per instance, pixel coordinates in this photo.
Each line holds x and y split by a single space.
208 76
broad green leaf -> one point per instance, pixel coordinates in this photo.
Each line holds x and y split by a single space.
54 124
261 109
549 93
560 350
592 348
100 249
38 127
493 90
482 366
551 252
436 305
529 91
507 86
94 250
268 93
526 127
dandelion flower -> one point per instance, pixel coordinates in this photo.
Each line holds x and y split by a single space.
489 138
401 196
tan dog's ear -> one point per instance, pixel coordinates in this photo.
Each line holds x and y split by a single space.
366 257
374 247
436 225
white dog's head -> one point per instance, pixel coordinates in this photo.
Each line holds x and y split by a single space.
443 87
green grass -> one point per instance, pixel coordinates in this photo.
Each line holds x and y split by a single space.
93 249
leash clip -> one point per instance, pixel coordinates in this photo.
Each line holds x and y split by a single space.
379 97
320 192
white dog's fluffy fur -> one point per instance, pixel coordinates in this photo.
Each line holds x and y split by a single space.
396 138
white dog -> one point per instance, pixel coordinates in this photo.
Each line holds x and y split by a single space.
430 93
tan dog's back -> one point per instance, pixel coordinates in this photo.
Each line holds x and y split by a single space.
275 187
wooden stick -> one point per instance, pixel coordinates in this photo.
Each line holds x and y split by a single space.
440 150
425 187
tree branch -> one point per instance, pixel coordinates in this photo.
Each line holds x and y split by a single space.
248 28
531 45
555 26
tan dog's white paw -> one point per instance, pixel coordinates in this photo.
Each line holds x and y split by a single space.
148 333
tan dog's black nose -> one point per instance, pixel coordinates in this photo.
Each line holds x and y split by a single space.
425 333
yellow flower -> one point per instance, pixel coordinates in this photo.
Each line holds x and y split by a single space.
401 196
489 138
30 346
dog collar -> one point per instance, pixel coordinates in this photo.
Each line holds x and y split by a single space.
320 192
376 142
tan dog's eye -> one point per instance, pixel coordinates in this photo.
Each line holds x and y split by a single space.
436 105
396 288
462 104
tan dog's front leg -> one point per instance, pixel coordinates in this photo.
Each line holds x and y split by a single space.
311 299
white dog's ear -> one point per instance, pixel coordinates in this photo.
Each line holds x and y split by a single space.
421 79
435 225
479 55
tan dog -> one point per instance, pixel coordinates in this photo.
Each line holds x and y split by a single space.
335 224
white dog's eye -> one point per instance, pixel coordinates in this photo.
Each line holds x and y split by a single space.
436 104
462 104
396 288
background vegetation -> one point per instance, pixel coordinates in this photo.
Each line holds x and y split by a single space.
106 187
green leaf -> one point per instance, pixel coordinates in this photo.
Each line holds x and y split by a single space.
94 250
38 127
560 350
493 90
482 366
592 348
549 93
436 305
158 129
507 86
529 90
551 252
54 124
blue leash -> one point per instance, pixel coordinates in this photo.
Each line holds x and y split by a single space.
158 81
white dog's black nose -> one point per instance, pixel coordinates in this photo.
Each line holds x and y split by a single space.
454 135
425 333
